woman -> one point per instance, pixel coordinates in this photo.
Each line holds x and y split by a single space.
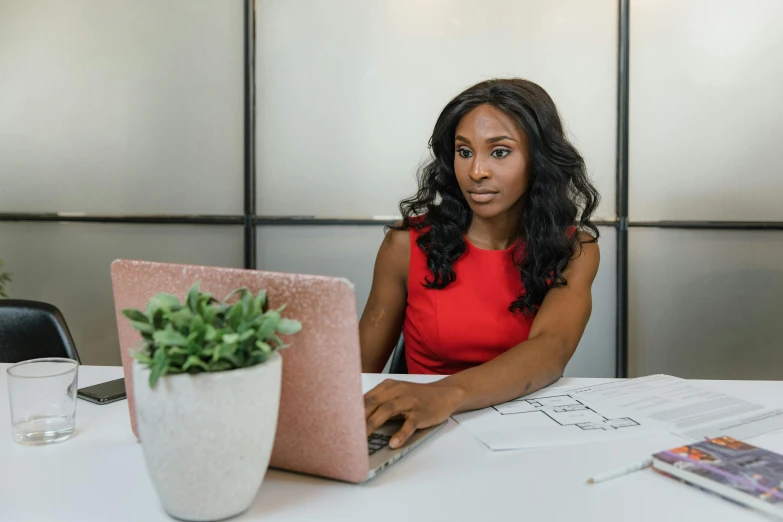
489 273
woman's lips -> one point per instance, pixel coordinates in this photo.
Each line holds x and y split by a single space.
482 197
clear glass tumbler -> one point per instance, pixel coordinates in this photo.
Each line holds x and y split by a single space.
43 400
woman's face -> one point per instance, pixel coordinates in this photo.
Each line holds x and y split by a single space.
490 161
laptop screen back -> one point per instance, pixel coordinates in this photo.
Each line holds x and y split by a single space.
321 427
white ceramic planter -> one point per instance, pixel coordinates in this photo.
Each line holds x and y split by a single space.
207 438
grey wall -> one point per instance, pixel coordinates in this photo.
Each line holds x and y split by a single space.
116 107
706 110
121 107
68 264
706 304
706 123
348 90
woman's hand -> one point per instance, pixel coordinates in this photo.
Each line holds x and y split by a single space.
421 405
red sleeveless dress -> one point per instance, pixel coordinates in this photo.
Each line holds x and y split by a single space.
468 322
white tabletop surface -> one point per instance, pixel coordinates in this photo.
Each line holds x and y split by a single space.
99 475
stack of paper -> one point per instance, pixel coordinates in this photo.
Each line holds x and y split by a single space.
616 410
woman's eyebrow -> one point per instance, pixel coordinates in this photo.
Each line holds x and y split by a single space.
488 140
499 138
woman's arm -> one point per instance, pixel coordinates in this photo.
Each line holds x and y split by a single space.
525 368
381 323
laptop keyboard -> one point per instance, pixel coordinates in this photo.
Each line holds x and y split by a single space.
377 441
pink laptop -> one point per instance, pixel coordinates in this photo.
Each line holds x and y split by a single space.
321 426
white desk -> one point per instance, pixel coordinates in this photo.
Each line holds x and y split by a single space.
99 475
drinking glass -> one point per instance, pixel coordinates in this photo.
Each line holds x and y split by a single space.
43 400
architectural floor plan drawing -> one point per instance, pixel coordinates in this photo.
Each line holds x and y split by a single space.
551 417
565 411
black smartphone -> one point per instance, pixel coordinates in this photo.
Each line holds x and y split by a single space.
104 393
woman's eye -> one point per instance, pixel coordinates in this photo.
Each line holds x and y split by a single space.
501 153
464 153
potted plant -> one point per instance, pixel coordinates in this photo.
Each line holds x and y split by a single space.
5 277
208 416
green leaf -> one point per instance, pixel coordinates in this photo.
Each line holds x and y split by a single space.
247 334
231 338
234 316
217 353
257 358
210 333
266 327
288 326
259 302
228 349
197 324
220 366
233 293
135 315
142 327
156 373
170 337
247 304
194 341
159 366
193 295
142 357
194 361
167 301
181 318
264 347
209 314
158 318
235 360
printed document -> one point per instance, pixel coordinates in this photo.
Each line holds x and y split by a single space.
550 417
617 410
683 407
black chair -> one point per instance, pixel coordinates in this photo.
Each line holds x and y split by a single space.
398 362
31 330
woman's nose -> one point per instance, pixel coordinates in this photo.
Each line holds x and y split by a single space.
479 171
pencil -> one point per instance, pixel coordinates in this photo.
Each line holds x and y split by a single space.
646 463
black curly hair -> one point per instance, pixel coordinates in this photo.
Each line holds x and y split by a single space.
559 194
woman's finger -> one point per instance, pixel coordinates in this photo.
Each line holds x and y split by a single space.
384 412
372 400
404 433
382 393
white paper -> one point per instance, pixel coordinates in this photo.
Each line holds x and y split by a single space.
551 417
683 407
